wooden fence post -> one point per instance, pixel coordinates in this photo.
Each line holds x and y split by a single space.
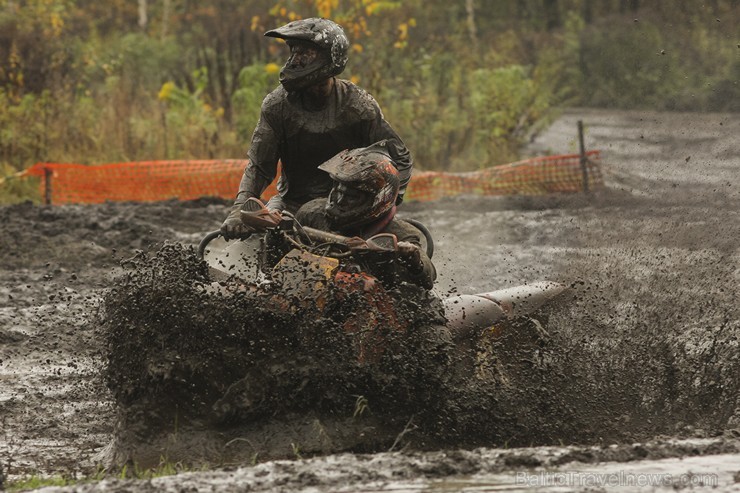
584 159
48 173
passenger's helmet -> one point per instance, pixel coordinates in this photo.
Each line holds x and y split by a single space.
328 38
365 186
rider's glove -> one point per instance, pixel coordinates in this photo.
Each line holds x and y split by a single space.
411 255
233 227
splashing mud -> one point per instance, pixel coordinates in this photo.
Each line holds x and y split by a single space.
229 365
645 346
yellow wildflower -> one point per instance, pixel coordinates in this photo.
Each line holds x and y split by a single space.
166 91
272 68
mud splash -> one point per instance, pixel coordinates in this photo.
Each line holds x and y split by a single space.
226 365
616 363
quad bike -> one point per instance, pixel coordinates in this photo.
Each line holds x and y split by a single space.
331 340
309 265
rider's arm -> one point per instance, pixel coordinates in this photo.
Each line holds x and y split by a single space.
263 156
420 269
417 268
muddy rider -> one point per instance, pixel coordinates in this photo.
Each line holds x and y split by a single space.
308 119
362 203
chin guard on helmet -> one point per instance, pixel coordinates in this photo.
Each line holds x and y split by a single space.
365 185
328 37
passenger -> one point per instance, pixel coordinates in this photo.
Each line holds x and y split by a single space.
308 119
362 203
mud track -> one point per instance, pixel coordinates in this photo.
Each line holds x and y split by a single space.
648 347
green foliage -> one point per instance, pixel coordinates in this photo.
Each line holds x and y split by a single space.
255 82
188 120
14 189
463 85
457 118
141 60
35 482
646 65
627 66
724 92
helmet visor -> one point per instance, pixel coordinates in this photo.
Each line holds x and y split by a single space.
304 64
348 205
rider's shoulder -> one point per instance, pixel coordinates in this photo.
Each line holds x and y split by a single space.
275 100
405 231
357 99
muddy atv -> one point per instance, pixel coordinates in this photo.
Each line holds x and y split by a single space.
311 265
284 341
298 268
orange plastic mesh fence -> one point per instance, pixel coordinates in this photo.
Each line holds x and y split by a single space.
143 181
185 180
536 176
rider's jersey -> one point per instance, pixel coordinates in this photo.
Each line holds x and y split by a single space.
302 139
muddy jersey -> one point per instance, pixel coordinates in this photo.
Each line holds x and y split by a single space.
390 272
302 139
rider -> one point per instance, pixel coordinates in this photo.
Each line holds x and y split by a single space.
362 203
308 119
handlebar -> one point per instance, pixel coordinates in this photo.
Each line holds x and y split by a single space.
212 236
205 241
260 218
383 242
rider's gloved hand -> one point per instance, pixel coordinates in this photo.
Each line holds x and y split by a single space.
411 255
233 227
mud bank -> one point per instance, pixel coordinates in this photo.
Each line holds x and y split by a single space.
704 463
648 347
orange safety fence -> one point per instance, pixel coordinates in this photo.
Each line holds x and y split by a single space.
148 181
535 176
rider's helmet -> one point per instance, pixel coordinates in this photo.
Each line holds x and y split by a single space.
327 37
365 186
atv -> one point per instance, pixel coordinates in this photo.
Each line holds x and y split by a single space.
285 343
311 265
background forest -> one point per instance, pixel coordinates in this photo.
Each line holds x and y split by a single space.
464 82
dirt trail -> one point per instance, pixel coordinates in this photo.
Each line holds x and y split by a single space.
648 348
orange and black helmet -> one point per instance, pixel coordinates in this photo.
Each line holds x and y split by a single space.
365 185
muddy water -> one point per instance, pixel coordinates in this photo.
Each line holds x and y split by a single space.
648 347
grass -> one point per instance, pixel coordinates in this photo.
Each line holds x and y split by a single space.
14 189
164 468
37 481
